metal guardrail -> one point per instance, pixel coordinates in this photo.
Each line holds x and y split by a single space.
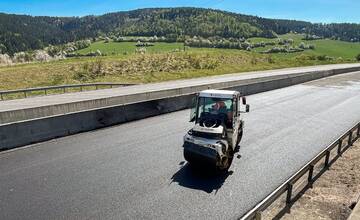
63 89
256 213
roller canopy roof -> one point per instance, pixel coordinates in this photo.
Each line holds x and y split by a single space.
213 93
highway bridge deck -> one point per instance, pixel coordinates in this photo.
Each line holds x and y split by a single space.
136 170
43 106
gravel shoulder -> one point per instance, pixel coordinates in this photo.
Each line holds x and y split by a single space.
335 193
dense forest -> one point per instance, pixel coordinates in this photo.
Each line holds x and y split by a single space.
22 32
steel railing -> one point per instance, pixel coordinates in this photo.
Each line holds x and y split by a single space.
25 93
352 135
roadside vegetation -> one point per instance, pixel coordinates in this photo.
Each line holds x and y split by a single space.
151 45
166 63
144 59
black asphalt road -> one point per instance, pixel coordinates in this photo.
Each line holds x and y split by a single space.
137 171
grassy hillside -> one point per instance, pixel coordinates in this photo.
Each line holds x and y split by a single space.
22 32
122 48
147 68
332 48
168 61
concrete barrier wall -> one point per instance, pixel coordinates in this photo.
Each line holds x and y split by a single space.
153 94
32 131
36 130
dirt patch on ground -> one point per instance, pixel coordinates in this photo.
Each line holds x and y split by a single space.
335 193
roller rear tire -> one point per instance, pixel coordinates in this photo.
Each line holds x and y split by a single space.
226 161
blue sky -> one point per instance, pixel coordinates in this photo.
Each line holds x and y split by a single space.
325 11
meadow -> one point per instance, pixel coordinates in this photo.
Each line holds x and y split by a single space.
168 61
123 48
332 48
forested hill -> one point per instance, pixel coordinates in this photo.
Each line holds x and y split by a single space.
21 32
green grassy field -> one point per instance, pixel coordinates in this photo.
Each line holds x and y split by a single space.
332 48
121 48
161 63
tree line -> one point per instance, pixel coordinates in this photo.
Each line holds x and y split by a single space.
22 32
279 45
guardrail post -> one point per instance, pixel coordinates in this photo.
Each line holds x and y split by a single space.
258 215
1 96
45 91
64 90
289 193
339 147
350 139
81 88
327 157
310 177
96 87
25 94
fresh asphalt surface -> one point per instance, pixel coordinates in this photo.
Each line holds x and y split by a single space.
137 171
